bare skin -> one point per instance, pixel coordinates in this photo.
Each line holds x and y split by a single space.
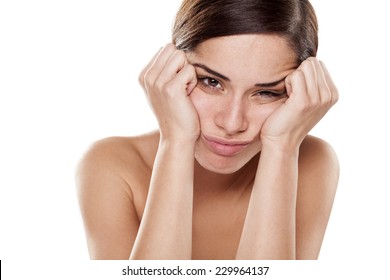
231 173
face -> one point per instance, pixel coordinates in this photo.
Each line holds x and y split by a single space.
240 83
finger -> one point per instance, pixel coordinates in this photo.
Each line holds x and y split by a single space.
311 76
323 88
174 64
193 79
296 86
330 84
184 81
156 65
141 77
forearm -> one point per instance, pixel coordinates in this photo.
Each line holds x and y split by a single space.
269 229
166 227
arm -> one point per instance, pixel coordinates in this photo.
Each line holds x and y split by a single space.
274 220
166 226
269 229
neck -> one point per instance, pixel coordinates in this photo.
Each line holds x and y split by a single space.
209 183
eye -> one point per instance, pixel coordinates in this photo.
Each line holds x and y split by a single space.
210 82
271 94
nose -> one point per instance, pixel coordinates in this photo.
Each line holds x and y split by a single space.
232 116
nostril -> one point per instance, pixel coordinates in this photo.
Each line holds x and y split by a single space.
233 119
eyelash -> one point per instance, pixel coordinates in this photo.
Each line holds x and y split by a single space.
270 94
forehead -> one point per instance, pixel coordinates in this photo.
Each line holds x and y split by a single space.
252 56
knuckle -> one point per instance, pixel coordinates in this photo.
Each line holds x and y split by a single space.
170 46
304 106
296 75
179 52
309 64
188 69
169 89
335 96
141 78
312 59
168 49
159 85
305 64
146 79
332 97
326 94
180 56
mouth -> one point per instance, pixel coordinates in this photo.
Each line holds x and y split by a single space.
224 147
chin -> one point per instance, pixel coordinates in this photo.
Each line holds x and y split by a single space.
220 169
220 164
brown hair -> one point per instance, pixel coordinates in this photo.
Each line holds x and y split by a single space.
199 20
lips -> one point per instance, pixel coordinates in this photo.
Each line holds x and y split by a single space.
225 147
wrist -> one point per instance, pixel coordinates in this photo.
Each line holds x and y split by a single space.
181 143
282 147
178 136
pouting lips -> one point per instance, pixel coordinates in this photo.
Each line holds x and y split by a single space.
224 147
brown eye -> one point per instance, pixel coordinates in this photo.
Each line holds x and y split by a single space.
210 82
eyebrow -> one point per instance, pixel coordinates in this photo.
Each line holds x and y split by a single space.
223 77
211 71
271 84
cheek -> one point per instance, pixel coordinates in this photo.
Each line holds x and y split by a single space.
202 103
258 114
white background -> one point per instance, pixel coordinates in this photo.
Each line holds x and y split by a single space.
68 76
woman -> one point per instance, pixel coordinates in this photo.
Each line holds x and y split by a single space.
231 173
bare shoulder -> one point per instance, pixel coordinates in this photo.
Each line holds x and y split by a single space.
317 159
120 155
120 162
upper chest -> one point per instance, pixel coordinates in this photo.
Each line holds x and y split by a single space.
217 226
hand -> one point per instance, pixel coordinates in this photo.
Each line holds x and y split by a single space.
311 93
168 80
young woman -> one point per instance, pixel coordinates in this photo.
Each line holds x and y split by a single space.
231 173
